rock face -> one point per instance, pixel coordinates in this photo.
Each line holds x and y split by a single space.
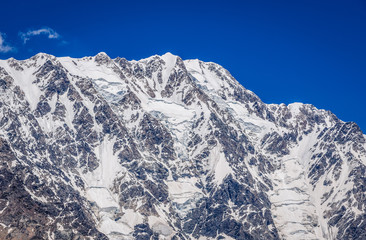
161 148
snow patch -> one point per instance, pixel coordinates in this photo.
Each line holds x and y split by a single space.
176 113
24 79
103 198
131 218
109 166
218 165
184 194
159 226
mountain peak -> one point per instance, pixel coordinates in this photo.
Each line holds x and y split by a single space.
43 55
102 58
102 54
168 54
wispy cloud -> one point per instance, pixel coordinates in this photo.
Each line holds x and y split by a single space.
49 32
4 48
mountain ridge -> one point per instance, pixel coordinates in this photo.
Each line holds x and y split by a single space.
163 148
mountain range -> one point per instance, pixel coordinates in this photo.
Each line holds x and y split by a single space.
165 148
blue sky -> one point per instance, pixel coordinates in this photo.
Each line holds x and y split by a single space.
284 51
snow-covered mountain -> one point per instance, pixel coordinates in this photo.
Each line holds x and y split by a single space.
161 148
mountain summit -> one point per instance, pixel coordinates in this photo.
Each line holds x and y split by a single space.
165 148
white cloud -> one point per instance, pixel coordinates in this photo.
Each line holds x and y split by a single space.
3 47
51 34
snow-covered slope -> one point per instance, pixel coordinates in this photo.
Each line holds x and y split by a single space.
163 148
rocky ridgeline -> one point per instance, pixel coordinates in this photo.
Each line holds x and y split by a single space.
161 148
